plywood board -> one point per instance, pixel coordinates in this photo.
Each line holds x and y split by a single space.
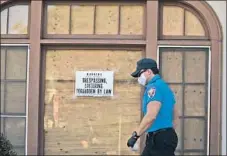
131 20
195 67
89 125
171 66
107 19
193 26
178 93
194 134
58 19
18 19
62 64
16 63
195 97
15 97
173 20
82 19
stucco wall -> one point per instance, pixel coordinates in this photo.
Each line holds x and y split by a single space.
220 9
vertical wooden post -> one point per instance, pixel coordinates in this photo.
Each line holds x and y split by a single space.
152 29
34 78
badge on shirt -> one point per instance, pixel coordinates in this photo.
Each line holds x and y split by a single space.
151 92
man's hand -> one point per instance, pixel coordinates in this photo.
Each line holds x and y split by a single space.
131 141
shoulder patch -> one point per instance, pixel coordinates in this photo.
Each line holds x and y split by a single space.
151 92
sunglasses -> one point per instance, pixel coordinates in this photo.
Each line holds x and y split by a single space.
141 72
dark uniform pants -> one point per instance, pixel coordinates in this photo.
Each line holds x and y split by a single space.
161 143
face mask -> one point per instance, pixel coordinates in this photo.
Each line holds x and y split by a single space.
142 80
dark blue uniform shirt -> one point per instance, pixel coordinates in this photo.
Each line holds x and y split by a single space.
158 90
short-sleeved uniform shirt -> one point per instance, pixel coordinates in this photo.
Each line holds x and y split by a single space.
158 90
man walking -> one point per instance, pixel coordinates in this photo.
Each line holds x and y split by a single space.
160 114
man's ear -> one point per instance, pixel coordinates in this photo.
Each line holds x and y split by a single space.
151 72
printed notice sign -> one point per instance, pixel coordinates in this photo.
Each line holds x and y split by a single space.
94 83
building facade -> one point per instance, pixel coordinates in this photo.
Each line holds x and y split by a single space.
44 43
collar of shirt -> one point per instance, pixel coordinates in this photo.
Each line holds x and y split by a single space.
156 77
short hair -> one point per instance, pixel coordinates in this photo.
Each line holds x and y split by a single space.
155 70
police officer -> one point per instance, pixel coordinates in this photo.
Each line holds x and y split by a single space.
160 113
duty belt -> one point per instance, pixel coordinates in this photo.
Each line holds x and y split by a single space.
152 134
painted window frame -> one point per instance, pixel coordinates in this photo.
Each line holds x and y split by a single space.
26 99
186 8
17 36
207 109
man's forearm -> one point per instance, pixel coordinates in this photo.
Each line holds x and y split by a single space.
144 125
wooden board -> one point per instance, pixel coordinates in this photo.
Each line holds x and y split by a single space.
88 125
194 134
195 96
61 64
82 19
193 26
178 92
195 67
15 97
107 19
16 63
173 20
58 19
171 66
18 19
131 20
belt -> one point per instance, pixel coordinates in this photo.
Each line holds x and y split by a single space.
150 134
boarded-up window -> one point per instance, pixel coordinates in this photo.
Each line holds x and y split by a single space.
90 125
131 20
13 96
14 20
186 72
179 21
95 19
107 19
82 19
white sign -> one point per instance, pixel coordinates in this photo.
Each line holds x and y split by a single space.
94 83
